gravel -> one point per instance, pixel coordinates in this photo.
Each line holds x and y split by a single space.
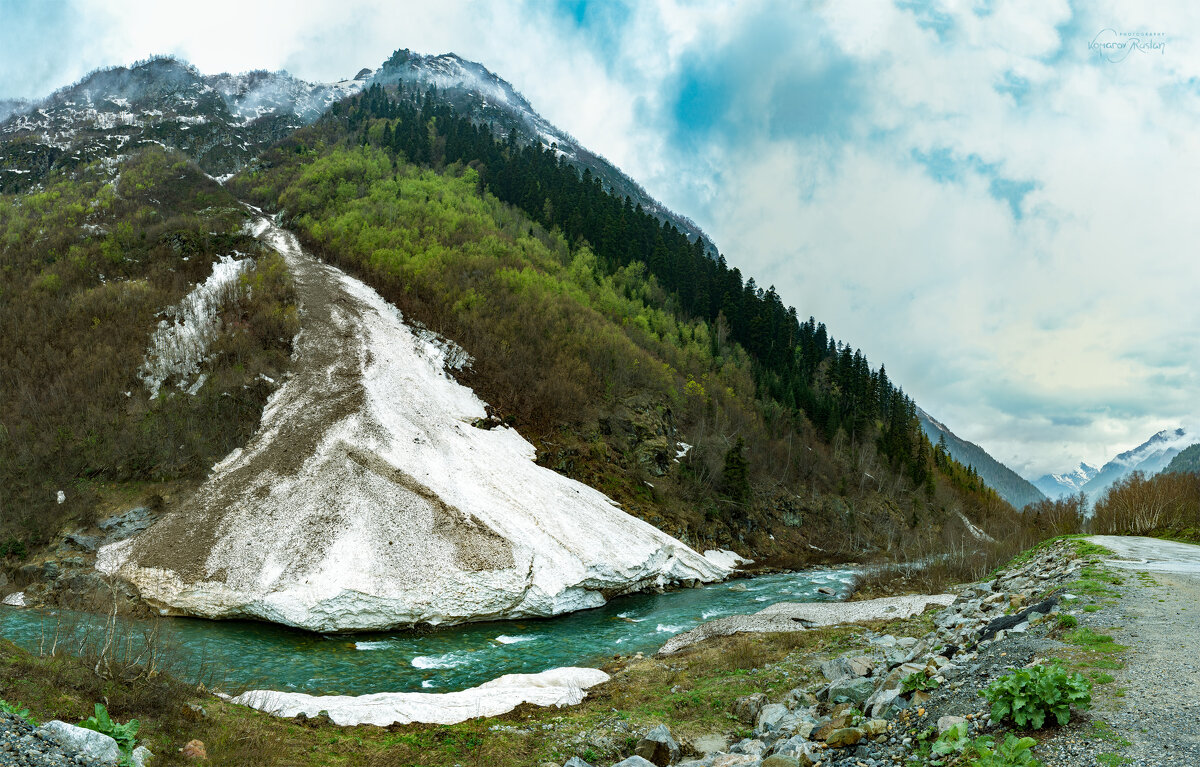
21 746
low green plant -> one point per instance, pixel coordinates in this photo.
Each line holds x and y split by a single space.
16 710
1067 621
1028 696
124 734
955 746
918 680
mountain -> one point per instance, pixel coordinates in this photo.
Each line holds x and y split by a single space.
490 100
1011 486
1188 460
1150 457
220 121
1059 485
615 355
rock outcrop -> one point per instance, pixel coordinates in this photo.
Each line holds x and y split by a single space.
368 499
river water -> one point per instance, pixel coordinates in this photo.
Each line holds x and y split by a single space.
261 655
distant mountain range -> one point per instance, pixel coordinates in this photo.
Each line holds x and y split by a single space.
1070 483
1011 486
1150 457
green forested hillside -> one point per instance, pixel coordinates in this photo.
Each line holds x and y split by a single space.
87 264
1188 460
608 339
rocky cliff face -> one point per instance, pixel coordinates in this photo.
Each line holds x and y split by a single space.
369 498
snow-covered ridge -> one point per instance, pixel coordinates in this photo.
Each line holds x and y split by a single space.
368 499
180 342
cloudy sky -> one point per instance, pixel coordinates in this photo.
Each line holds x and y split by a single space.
994 199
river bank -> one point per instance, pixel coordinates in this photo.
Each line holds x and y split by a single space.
700 694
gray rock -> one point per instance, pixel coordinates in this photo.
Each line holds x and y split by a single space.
800 749
769 717
709 744
751 746
83 542
851 690
946 722
91 744
657 746
575 761
779 760
634 761
141 757
745 709
125 525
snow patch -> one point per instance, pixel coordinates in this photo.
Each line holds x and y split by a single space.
16 599
556 687
727 559
180 342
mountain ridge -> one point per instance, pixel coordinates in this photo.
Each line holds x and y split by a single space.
1011 486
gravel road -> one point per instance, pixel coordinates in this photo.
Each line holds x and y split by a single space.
1160 709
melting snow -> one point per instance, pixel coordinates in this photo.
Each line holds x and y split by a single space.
180 343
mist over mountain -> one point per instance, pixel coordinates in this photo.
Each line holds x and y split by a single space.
1150 457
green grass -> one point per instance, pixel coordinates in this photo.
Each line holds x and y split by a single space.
1100 643
1112 760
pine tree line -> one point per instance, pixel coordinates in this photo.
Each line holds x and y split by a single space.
797 363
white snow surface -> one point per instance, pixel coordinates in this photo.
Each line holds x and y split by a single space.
180 342
368 500
556 687
16 599
726 558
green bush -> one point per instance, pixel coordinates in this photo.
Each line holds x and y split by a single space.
918 680
124 734
16 710
1027 696
956 747
1067 621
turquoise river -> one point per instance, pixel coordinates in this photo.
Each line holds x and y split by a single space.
246 654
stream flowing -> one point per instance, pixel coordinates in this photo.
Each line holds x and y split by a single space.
247 654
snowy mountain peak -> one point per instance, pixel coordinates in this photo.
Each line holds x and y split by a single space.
488 99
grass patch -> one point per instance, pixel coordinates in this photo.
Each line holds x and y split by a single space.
1091 608
1101 643
1112 760
691 692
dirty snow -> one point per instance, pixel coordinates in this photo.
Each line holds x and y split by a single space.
368 500
726 558
180 343
556 687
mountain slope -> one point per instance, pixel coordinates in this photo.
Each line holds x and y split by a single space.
1150 457
1188 460
489 100
1011 486
376 502
1069 483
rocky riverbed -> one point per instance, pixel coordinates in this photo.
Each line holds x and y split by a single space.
859 712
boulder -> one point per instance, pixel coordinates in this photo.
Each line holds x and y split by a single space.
141 757
658 746
709 744
769 717
194 750
847 736
575 761
734 760
751 746
851 690
800 749
634 761
779 760
88 743
746 708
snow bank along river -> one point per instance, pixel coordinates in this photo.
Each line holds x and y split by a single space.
448 659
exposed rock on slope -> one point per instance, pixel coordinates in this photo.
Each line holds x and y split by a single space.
368 500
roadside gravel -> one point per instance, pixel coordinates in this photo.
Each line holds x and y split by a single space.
1160 708
20 746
